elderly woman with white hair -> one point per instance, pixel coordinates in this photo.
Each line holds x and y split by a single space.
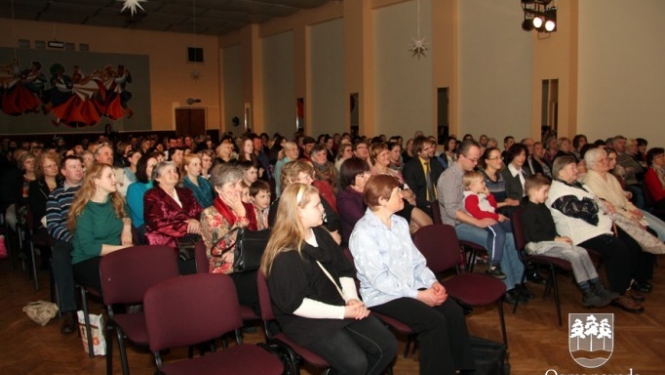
608 188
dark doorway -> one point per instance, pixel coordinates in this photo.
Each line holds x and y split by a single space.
190 121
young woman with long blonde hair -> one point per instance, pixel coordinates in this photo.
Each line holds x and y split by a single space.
100 223
313 292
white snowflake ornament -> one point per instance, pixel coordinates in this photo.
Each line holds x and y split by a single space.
418 47
132 5
195 75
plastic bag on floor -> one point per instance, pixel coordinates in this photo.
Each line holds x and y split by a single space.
41 312
97 332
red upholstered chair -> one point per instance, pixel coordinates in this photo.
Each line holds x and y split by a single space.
202 266
126 275
439 245
552 263
293 351
198 308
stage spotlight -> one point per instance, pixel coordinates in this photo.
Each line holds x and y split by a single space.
550 25
537 22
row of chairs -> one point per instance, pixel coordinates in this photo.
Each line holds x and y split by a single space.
137 276
177 311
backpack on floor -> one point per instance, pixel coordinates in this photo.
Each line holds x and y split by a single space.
491 357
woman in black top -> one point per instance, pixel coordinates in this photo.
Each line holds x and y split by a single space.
313 292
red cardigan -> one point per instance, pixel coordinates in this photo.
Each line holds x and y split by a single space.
654 186
165 220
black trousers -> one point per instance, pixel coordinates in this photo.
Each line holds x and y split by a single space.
364 347
442 333
87 273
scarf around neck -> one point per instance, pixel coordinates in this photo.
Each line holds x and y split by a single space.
231 218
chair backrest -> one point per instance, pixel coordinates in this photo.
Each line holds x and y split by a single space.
201 258
439 245
126 274
190 309
518 229
265 303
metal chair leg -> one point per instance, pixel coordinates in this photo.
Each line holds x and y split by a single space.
503 322
33 260
88 328
555 286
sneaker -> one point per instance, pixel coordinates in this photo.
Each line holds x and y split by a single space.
606 295
495 271
3 248
591 299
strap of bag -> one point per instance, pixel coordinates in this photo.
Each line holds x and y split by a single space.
331 278
226 237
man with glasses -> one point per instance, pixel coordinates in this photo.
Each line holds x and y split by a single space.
422 173
57 208
451 201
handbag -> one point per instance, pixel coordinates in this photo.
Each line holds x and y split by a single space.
248 248
187 245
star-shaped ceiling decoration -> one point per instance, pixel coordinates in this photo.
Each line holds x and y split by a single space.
195 75
418 47
132 5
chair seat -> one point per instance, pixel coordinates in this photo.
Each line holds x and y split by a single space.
475 289
247 313
133 326
241 360
473 246
394 323
308 355
544 259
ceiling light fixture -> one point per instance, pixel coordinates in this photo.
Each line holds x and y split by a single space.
539 15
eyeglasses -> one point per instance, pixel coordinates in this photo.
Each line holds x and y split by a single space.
475 161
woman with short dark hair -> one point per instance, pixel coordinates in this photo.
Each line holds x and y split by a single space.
654 179
352 177
395 281
515 174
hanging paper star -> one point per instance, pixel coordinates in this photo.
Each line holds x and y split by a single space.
418 47
132 5
195 75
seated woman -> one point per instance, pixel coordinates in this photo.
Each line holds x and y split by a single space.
100 223
608 188
492 164
192 180
170 212
302 171
324 170
654 179
130 170
313 292
226 213
47 173
578 216
353 175
137 190
379 155
206 156
515 174
395 281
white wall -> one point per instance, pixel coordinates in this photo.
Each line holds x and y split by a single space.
495 63
403 84
232 85
327 77
621 76
278 84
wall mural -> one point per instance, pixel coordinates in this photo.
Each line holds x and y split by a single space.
47 91
72 98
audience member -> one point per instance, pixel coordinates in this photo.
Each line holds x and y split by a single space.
421 174
515 174
192 180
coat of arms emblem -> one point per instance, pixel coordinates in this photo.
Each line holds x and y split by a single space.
591 338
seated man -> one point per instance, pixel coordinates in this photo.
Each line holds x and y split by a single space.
422 173
450 190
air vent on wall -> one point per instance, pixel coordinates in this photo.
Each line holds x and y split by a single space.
84 47
40 44
23 43
194 54
70 46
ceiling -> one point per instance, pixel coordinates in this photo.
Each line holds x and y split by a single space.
211 17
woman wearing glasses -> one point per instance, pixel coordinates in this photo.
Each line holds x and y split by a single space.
313 292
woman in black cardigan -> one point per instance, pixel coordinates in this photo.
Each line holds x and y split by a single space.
515 174
313 291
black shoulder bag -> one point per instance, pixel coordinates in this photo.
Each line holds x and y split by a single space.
249 248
